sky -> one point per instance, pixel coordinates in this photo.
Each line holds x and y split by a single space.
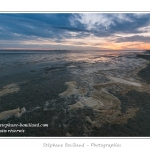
75 31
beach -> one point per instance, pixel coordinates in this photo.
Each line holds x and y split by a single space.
75 93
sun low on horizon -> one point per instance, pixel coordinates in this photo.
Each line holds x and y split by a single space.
75 31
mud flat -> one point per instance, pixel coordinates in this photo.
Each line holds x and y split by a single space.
106 107
147 57
145 73
119 103
97 99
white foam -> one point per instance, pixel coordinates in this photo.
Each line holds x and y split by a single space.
71 66
99 100
10 88
122 81
71 89
12 113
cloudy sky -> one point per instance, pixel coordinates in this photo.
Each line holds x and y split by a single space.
75 31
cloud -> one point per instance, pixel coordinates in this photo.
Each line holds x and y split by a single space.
79 27
136 38
58 25
110 24
40 25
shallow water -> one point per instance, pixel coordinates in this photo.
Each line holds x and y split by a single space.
41 76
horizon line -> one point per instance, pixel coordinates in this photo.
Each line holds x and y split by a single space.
73 50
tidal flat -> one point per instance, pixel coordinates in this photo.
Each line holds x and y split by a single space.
78 94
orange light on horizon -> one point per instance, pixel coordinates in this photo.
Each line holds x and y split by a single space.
79 44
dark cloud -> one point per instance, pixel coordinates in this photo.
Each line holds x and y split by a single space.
58 26
72 29
38 25
145 39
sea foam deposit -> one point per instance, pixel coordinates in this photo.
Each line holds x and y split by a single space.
72 90
10 88
12 113
106 107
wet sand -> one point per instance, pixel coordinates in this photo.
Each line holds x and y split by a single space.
145 73
131 116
